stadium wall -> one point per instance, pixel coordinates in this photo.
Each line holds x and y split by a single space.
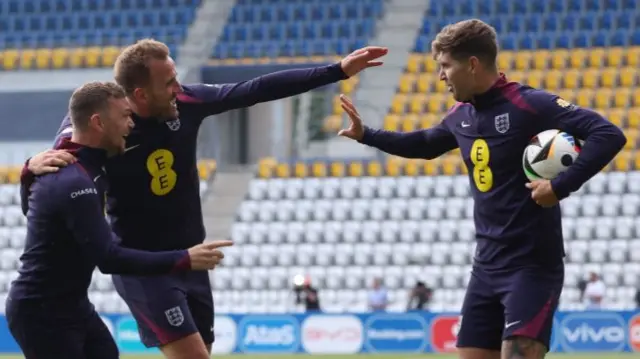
417 332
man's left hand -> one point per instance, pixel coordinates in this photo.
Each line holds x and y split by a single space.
362 59
542 193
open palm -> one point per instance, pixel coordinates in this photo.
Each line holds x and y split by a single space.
355 131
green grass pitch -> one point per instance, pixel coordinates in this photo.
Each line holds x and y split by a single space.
377 356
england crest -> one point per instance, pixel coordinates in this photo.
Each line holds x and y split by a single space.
174 125
174 316
502 123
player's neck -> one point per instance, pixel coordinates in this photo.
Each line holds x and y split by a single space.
486 82
85 139
138 109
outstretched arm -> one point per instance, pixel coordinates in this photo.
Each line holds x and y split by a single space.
80 206
426 144
217 98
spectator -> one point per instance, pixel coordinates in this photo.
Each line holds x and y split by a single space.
594 292
307 294
378 299
421 295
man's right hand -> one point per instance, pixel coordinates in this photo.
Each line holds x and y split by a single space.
50 161
207 255
355 131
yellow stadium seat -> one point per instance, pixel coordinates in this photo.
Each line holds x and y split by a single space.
636 97
3 174
408 124
425 83
572 79
43 58
633 57
391 122
628 77
356 169
603 98
430 64
632 138
332 123
411 167
516 76
338 169
505 61
318 169
109 55
636 160
407 82
552 80
622 162
450 165
585 98
578 58
428 120
614 56
9 59
621 98
435 103
541 60
432 167
27 59
523 60
609 77
76 58
398 104
93 57
266 167
374 169
59 58
414 63
283 170
559 59
633 117
301 169
591 78
416 104
534 79
13 175
597 57
616 116
393 167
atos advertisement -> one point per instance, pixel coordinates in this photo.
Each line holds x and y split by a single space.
412 332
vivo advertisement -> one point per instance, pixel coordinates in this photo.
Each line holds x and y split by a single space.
374 333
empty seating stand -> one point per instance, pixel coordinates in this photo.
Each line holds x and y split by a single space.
55 34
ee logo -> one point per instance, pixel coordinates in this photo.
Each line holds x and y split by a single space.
160 167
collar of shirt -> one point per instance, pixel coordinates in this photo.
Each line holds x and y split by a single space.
496 91
95 156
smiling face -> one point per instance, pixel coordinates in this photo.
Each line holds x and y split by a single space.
116 126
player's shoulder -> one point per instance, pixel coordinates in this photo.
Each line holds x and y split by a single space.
195 93
536 97
458 109
68 178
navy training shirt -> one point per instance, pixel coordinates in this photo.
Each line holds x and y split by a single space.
492 133
154 188
68 234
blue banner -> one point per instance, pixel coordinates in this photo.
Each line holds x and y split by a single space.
413 332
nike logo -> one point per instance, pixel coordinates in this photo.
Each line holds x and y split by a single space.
465 124
508 325
96 178
130 148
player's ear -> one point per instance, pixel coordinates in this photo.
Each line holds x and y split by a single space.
139 94
96 121
474 62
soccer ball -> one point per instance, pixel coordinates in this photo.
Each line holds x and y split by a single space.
549 153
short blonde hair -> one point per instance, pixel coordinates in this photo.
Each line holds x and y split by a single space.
91 98
131 69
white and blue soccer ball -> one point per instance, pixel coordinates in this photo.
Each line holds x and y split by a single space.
550 153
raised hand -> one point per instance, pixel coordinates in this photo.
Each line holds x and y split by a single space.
50 161
362 59
207 255
355 131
